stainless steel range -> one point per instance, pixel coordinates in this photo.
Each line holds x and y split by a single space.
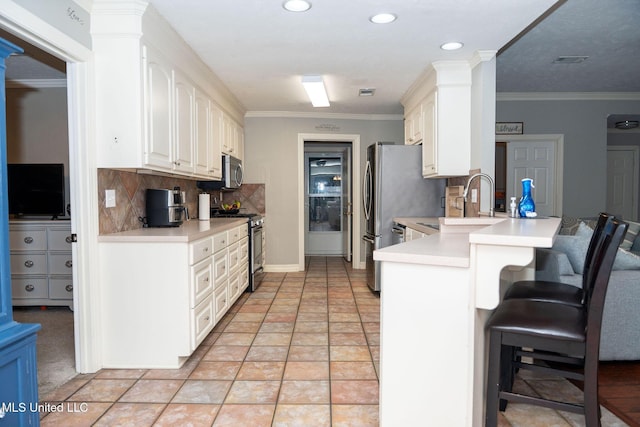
256 256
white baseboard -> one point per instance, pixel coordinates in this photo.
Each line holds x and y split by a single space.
281 268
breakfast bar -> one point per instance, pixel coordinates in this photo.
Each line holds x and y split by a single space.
437 293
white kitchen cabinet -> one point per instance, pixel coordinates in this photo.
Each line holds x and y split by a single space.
168 295
41 263
233 138
413 126
184 124
439 115
158 107
152 93
214 154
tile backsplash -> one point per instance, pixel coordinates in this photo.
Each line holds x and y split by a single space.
130 188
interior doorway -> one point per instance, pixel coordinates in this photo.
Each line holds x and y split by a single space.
328 199
352 235
538 157
622 181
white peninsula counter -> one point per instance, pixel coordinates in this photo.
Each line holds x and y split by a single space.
437 293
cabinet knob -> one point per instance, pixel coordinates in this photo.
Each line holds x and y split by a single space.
207 318
28 240
28 263
68 239
69 263
29 288
206 279
68 288
206 249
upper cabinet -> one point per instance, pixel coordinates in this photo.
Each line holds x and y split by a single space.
439 118
152 113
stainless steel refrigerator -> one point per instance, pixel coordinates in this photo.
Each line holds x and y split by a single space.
393 186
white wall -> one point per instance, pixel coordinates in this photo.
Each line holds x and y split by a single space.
271 145
584 125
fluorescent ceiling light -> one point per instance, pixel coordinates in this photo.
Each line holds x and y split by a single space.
296 5
383 18
316 91
451 46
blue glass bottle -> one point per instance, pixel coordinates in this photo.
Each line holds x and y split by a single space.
526 201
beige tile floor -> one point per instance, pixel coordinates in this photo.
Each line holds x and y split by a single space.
303 350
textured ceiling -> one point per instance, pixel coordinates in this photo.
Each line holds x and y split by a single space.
266 50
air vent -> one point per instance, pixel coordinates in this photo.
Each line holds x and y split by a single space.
366 92
570 59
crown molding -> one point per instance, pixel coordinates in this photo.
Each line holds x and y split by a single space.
568 96
35 83
313 115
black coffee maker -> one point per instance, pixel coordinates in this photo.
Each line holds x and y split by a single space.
165 208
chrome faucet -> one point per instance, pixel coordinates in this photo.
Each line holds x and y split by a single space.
491 195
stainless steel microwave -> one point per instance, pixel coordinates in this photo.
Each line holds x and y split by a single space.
231 176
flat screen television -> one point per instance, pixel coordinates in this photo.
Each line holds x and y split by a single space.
36 189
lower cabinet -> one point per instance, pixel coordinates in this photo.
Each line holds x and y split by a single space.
161 300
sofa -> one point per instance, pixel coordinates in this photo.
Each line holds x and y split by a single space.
620 338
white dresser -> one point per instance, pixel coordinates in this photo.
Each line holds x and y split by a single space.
41 262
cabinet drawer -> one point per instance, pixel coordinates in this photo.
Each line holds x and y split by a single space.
29 288
220 268
203 321
61 263
61 288
28 240
59 239
200 250
202 281
244 251
234 256
234 287
29 263
221 302
220 241
238 233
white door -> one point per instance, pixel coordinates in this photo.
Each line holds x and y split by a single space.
535 159
622 181
347 204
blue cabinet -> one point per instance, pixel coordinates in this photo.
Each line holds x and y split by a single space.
18 373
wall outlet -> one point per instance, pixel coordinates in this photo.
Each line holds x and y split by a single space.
474 195
110 198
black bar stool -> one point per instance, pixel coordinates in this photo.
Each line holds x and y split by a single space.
542 290
559 339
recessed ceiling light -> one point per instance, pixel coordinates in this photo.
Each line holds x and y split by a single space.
451 46
316 91
383 18
296 5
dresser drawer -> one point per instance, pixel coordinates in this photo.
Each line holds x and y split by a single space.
28 240
26 288
59 239
29 263
61 288
220 241
200 250
203 321
61 263
202 281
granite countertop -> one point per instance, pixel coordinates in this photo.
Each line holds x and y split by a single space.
189 231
